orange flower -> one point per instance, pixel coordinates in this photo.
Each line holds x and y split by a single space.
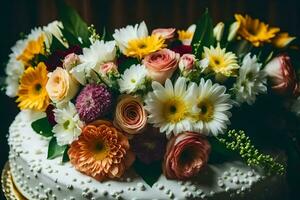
101 151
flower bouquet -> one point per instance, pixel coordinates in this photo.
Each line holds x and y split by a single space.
168 100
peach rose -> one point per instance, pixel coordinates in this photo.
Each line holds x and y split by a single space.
61 87
70 61
108 68
130 115
282 75
161 64
187 62
165 33
187 153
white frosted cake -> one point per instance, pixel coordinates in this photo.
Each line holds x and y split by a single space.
39 178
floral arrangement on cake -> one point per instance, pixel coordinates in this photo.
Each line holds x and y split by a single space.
166 100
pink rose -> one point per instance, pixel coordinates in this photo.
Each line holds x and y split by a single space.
70 61
108 68
187 153
282 75
165 33
161 64
187 62
130 115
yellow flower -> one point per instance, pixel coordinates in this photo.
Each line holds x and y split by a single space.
141 47
186 36
32 90
220 61
282 40
33 48
255 31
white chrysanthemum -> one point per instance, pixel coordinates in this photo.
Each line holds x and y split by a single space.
98 53
68 127
124 35
169 106
251 80
132 79
14 71
211 108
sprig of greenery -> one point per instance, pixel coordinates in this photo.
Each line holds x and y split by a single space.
238 141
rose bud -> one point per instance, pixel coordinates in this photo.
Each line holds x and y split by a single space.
70 61
107 68
161 64
187 153
165 33
282 75
187 62
61 87
130 115
218 31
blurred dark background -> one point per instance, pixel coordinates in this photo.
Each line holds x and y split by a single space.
18 16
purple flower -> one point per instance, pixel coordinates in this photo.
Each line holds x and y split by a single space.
50 114
149 146
94 101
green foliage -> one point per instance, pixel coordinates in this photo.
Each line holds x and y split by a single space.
65 157
54 150
203 35
75 29
126 63
56 45
150 173
42 127
237 141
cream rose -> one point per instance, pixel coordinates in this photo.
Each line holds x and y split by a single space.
130 115
60 86
165 33
161 64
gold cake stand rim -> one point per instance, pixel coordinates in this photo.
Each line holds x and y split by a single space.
9 188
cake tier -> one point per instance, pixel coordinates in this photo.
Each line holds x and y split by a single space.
39 178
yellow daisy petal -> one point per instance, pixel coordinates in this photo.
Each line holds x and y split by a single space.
282 40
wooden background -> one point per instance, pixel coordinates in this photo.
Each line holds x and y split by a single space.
20 15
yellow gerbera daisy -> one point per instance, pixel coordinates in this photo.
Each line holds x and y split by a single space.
33 48
282 40
254 30
141 47
32 92
220 61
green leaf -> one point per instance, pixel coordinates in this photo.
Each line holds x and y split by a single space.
150 173
56 45
54 150
42 127
65 157
73 24
203 35
126 63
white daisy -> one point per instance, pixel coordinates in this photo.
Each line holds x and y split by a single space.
251 80
98 53
68 127
211 108
132 79
124 35
169 106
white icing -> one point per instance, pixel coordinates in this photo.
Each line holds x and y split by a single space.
39 178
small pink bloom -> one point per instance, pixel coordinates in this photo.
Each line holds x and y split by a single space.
108 68
187 153
70 61
282 75
187 62
166 33
161 64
